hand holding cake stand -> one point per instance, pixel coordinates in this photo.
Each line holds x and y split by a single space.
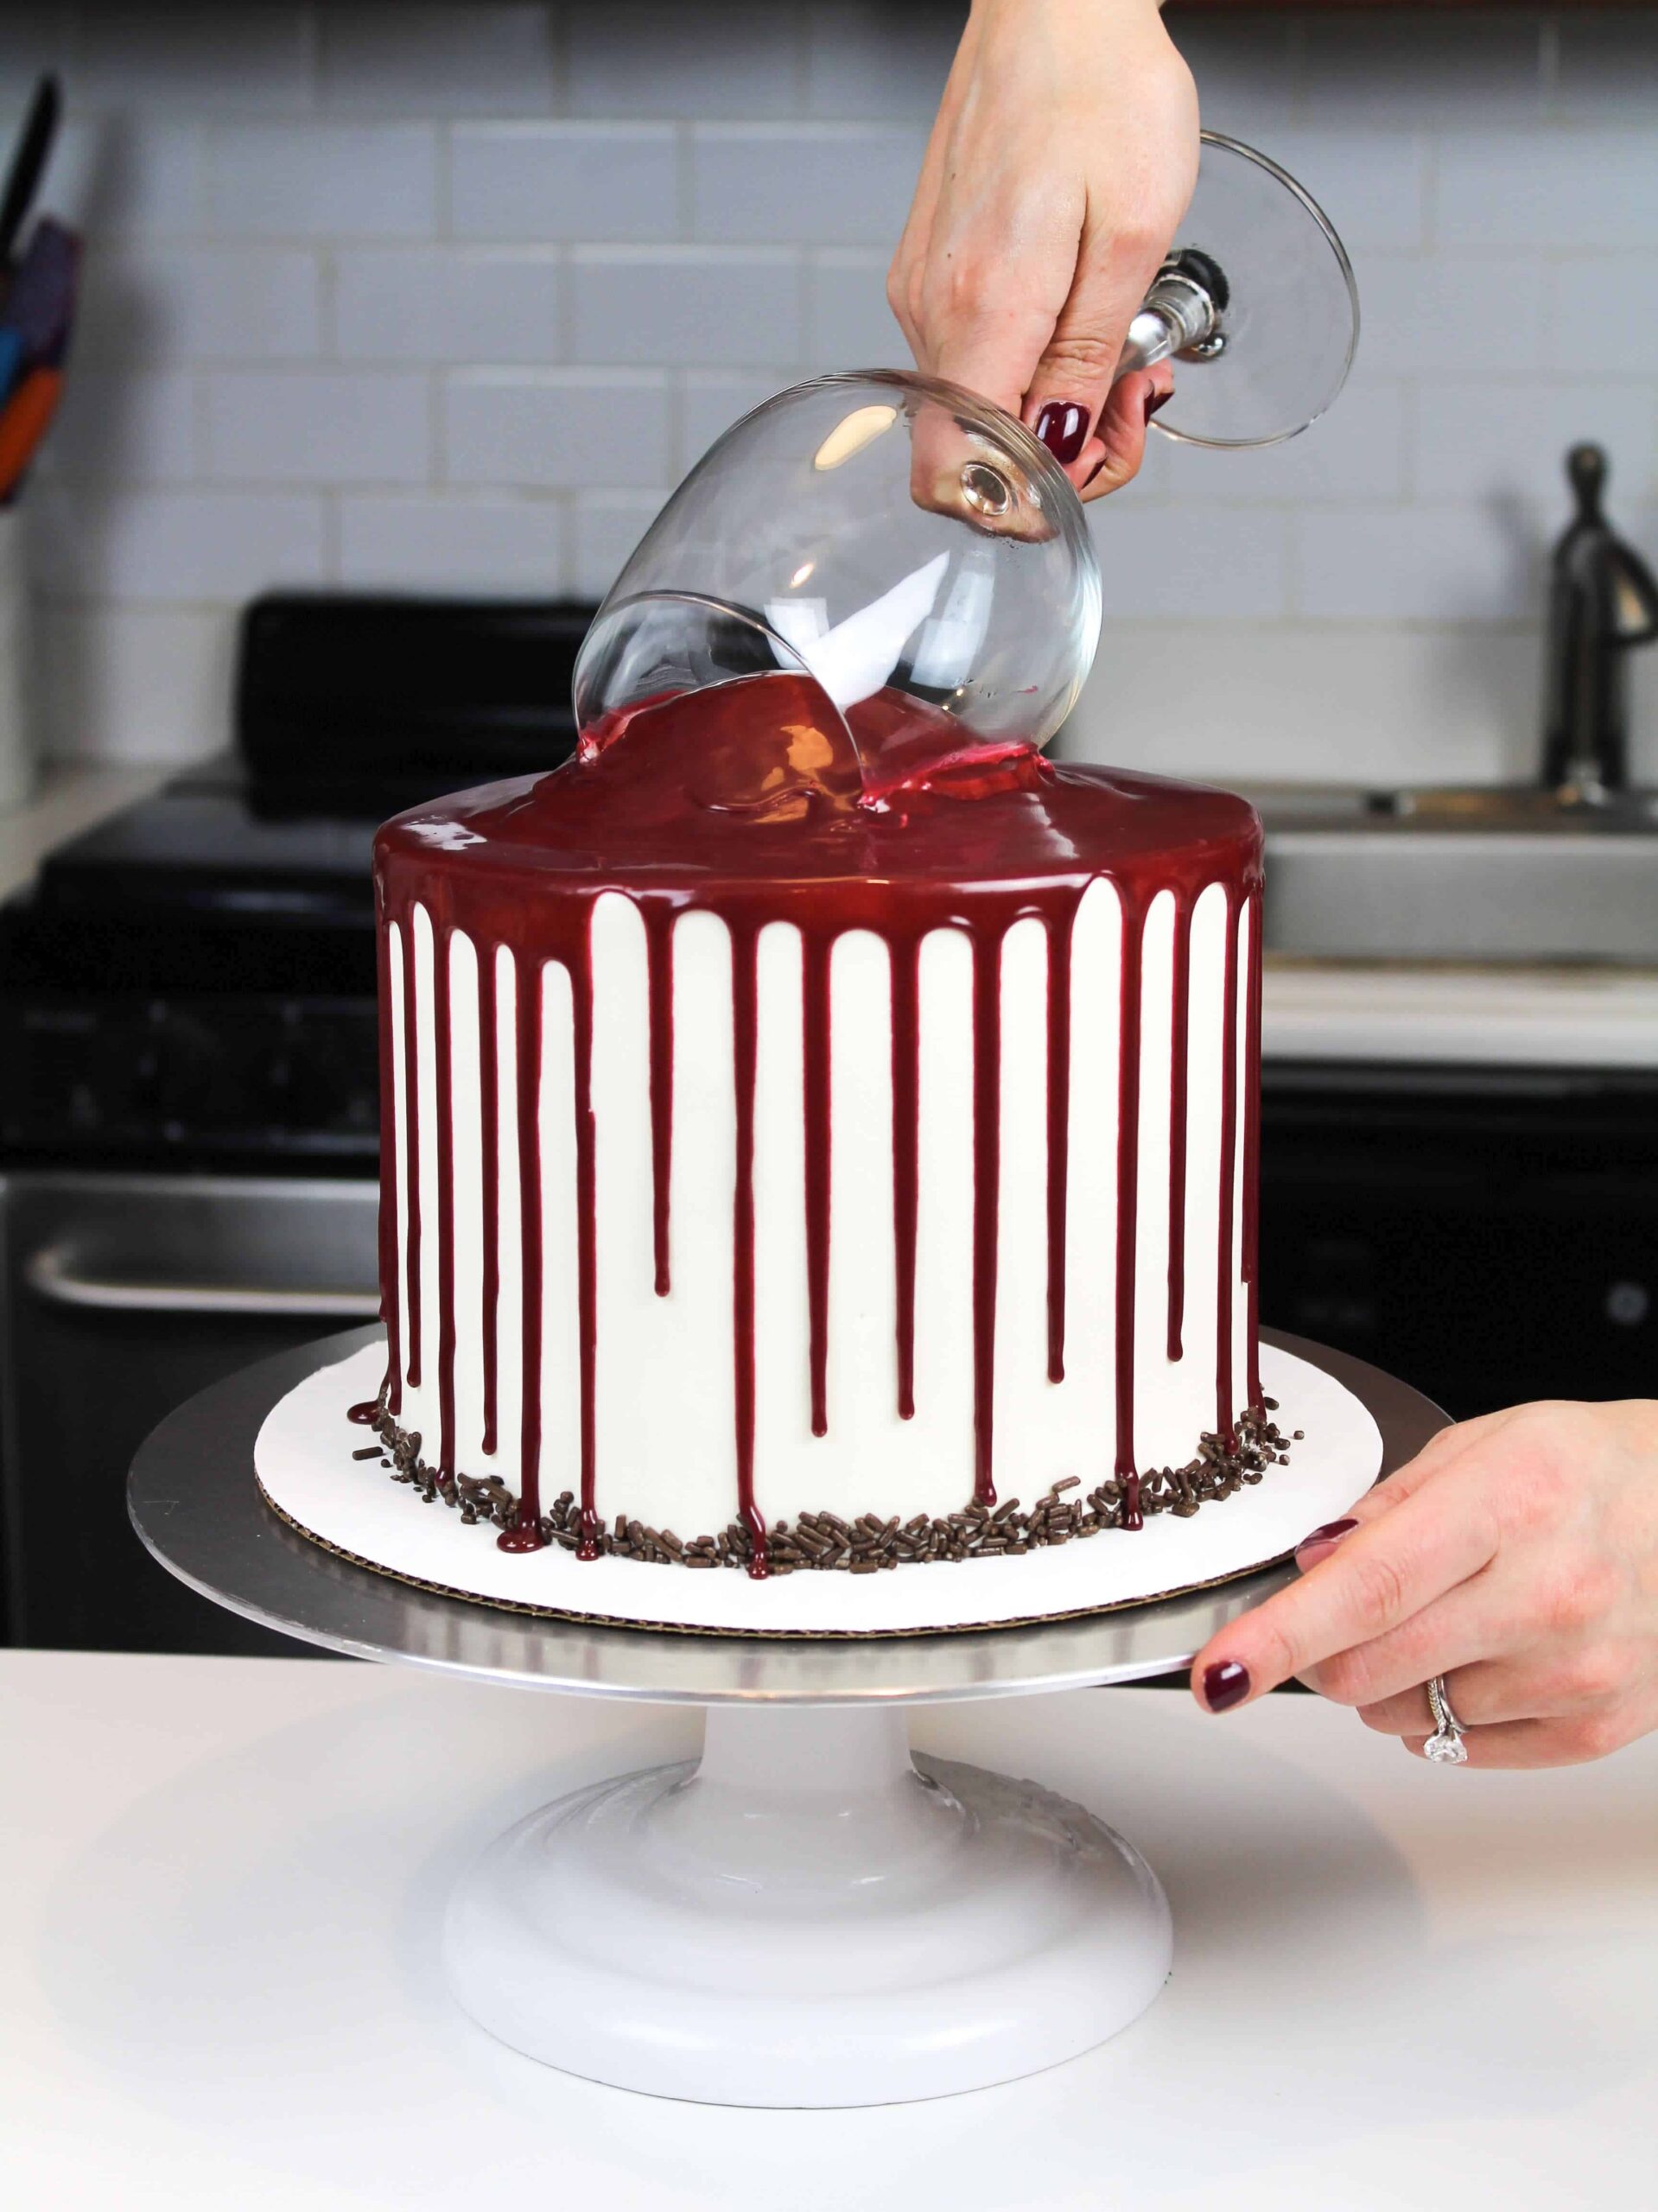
810 1101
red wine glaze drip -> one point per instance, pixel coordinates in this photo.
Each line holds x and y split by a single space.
1225 1407
489 1115
1133 950
524 1535
906 957
1180 1024
658 921
1059 922
987 1188
411 1146
442 943
364 1413
1250 1231
745 1018
815 1049
390 1296
587 1234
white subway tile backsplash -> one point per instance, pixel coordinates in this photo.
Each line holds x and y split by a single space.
1360 702
709 405
1600 315
321 180
627 58
124 429
561 430
219 546
447 304
1371 183
447 544
247 59
1484 442
1356 452
1434 67
151 682
1552 189
126 176
848 323
1451 314
876 63
437 60
318 426
695 307
1230 565
1418 564
1244 73
179 303
608 525
565 181
443 294
829 184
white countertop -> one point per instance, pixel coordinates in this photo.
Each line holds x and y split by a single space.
1394 1984
1560 1017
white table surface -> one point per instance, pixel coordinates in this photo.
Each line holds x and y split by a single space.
219 1984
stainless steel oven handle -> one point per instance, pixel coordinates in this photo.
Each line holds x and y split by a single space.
51 1273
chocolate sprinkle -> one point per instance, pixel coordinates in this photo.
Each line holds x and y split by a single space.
825 1542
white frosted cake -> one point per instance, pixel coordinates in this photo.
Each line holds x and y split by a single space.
777 1180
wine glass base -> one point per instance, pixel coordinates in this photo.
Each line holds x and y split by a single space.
807 1918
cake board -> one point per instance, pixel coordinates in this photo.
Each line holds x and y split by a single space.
809 1916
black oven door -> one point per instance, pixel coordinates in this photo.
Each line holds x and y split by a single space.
124 1295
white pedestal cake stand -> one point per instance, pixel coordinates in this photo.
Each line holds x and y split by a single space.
807 1916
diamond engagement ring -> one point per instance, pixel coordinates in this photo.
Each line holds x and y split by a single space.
1445 1746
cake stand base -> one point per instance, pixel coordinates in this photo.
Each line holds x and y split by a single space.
807 1918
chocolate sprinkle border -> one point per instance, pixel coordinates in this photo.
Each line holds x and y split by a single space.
823 1543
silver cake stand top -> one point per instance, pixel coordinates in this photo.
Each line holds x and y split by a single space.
195 1504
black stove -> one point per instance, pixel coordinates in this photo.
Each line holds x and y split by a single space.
191 983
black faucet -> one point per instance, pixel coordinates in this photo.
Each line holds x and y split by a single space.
1603 599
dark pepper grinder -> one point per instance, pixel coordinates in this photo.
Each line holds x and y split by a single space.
1603 599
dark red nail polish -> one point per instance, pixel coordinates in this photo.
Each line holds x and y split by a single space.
1225 1684
1154 400
1328 1533
1062 427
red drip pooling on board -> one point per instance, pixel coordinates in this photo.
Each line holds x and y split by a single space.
364 1413
816 1048
745 801
489 1109
907 1166
1179 1017
659 994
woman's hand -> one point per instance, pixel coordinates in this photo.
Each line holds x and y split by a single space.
1063 157
1518 1555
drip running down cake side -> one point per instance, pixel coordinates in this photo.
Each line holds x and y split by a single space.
780 1176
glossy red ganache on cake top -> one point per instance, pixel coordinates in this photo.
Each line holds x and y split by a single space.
746 800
